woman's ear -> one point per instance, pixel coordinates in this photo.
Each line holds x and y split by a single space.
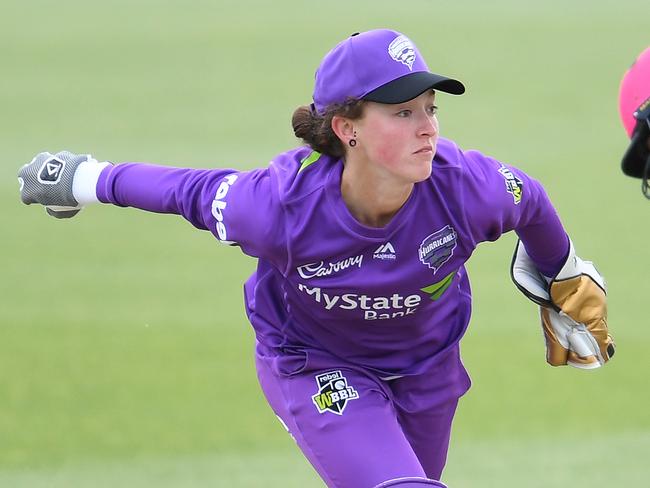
343 128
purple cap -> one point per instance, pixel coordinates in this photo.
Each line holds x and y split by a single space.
378 65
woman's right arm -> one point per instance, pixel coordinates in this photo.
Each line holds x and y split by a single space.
238 207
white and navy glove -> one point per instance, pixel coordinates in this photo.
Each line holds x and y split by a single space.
53 181
573 308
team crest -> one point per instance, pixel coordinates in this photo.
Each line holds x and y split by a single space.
403 51
438 248
514 185
334 393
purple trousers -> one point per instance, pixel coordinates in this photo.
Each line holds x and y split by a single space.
358 430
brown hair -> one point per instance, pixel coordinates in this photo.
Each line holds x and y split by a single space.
316 130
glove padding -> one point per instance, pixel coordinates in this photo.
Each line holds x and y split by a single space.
48 180
573 309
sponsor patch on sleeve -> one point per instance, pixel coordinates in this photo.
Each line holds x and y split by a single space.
219 205
514 185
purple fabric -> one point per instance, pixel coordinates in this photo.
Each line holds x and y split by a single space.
324 281
536 222
376 313
363 62
387 430
411 483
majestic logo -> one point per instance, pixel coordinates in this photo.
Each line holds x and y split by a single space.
403 51
219 205
321 269
385 251
51 171
514 185
334 393
438 248
374 308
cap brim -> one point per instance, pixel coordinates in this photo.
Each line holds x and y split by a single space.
412 85
637 153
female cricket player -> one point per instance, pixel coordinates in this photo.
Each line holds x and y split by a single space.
360 296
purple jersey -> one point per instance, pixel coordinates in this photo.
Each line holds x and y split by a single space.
391 299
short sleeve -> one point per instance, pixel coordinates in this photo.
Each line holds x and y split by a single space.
499 198
246 211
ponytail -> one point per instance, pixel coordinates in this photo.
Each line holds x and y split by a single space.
316 130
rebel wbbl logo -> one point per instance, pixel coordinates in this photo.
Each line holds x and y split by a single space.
438 248
333 393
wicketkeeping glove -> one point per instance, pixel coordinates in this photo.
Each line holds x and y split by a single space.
48 180
573 309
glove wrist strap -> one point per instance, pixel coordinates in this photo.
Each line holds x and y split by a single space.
84 185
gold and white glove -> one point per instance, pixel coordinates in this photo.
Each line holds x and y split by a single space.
573 308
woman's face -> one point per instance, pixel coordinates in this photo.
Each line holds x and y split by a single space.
399 140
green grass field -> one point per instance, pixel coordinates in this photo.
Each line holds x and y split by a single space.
125 354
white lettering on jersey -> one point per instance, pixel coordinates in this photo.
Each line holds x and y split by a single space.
312 270
219 205
514 185
433 245
385 251
394 306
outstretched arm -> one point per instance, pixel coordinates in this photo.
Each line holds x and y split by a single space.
238 207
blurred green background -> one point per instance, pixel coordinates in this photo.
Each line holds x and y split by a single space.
125 354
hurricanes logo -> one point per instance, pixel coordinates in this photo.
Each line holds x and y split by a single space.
334 393
514 185
401 49
438 248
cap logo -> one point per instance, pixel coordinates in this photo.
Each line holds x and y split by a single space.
402 51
